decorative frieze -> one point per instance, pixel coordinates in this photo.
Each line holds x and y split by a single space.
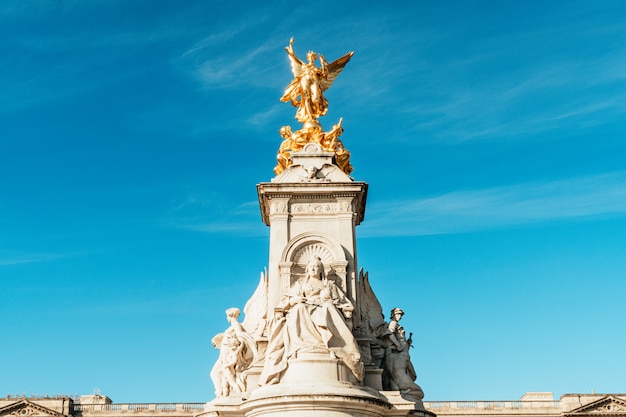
279 206
283 206
23 412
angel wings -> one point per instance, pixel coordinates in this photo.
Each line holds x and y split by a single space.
309 83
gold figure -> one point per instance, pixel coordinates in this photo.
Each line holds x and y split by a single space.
330 143
291 143
294 142
306 91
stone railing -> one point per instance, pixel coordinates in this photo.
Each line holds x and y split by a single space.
491 405
140 407
429 405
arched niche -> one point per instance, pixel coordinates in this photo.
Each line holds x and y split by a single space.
299 251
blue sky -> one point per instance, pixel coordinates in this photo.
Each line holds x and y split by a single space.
133 133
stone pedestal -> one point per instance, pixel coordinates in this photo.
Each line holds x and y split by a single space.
312 209
315 405
314 384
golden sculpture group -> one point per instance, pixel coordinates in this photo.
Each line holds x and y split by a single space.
306 92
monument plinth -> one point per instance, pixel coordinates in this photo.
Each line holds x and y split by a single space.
314 341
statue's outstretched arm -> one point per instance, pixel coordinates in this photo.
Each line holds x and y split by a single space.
289 48
296 63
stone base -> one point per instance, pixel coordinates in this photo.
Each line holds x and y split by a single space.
316 385
374 378
318 374
318 367
312 405
341 404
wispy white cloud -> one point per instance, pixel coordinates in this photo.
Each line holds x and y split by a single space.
505 85
8 258
213 40
464 211
498 107
241 67
12 9
455 212
66 64
261 118
231 55
208 212
221 226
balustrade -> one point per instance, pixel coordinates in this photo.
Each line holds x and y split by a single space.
488 405
138 407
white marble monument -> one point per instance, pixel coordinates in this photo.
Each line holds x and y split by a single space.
314 340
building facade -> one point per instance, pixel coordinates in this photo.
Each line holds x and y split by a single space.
532 404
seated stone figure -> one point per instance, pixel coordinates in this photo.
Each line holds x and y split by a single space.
399 373
311 319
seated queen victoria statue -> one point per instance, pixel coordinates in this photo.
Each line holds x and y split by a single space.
311 318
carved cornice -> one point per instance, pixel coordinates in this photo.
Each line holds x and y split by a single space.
25 408
325 198
607 406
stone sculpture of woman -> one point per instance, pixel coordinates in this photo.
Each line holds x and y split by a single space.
314 321
237 353
399 373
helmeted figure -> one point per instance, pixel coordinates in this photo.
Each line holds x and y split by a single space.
399 373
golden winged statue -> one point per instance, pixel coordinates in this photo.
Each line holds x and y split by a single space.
306 91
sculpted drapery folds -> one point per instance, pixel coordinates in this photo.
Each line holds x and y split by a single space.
314 321
238 352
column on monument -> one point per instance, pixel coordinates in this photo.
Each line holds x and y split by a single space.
279 237
346 238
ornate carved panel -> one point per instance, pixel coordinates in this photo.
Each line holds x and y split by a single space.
314 208
25 408
26 411
608 406
305 254
279 207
